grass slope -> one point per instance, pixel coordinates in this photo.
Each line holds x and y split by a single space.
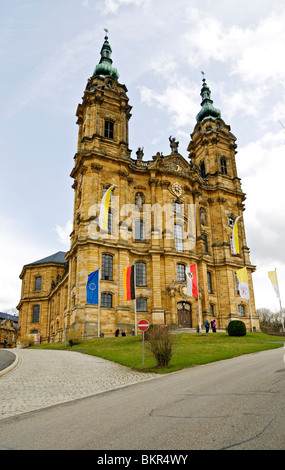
188 349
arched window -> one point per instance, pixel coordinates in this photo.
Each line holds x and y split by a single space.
106 300
36 314
107 268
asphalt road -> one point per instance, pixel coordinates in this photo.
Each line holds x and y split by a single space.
234 404
6 359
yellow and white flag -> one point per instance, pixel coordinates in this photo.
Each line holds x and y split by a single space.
104 208
243 283
273 278
235 242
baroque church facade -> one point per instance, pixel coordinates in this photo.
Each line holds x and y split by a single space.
165 214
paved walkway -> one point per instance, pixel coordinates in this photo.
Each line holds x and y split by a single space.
42 378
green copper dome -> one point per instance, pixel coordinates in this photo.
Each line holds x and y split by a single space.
208 110
105 65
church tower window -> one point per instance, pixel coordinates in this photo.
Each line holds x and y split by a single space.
109 130
202 170
224 168
38 283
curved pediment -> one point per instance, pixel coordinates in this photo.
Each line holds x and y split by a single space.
174 163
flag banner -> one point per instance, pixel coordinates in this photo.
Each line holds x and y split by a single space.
92 288
235 242
104 208
273 278
192 281
243 283
129 283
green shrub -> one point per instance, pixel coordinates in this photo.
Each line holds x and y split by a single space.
160 343
236 328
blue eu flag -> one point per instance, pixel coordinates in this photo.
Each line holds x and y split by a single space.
92 288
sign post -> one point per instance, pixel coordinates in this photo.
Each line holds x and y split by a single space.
143 325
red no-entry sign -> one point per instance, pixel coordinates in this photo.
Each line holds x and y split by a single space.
143 325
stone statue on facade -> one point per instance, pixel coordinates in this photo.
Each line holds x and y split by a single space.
173 144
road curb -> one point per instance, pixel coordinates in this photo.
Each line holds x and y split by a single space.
11 366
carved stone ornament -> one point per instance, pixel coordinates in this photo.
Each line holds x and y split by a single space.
176 189
183 291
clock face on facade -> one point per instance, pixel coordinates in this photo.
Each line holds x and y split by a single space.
176 189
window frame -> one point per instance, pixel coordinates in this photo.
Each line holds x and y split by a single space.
143 301
224 166
106 300
180 273
241 307
109 127
107 267
36 313
141 280
139 231
178 238
38 283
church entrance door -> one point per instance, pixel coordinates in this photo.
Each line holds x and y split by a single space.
184 312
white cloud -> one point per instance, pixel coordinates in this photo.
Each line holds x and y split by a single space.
63 233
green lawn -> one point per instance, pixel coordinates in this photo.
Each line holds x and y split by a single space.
188 349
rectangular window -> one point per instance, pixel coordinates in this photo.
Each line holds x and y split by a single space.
109 130
140 274
36 314
107 268
209 280
141 305
180 272
139 230
106 300
241 311
177 208
110 222
237 284
224 166
38 283
178 237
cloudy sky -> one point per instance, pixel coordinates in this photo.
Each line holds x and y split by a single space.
49 48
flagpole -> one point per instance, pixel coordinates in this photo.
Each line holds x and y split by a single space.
279 297
249 302
200 325
135 282
99 303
